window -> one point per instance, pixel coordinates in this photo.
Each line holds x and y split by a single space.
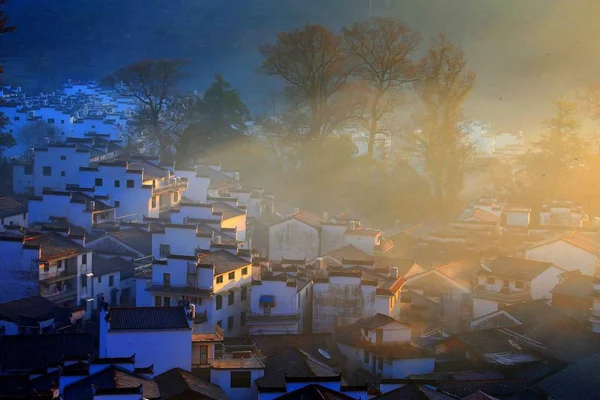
220 279
130 183
505 283
203 354
490 281
84 259
175 197
100 279
519 284
241 379
167 302
153 201
46 267
231 275
28 170
59 264
62 173
17 118
117 203
244 293
62 121
47 171
243 318
98 181
63 158
366 356
220 324
50 120
111 281
230 324
117 183
219 302
83 281
230 298
157 301
244 271
165 250
167 279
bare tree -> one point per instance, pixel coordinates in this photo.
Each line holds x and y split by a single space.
153 83
591 101
380 50
441 141
37 133
313 65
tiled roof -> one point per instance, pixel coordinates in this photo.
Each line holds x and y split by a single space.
138 239
177 382
309 218
463 272
272 345
112 377
587 242
374 322
494 387
314 391
517 268
55 246
537 312
26 352
228 211
148 318
404 265
577 382
414 392
10 207
102 266
30 310
223 260
576 285
350 252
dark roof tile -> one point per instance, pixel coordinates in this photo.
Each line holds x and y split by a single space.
148 318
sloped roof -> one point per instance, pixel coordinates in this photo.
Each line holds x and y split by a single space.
462 272
112 377
228 211
30 310
148 318
223 260
54 246
10 207
517 268
576 285
314 391
136 238
587 242
102 266
577 382
350 252
272 345
176 382
404 265
26 352
309 218
413 391
374 322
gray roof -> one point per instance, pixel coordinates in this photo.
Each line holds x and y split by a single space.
102 266
148 318
10 207
579 381
176 382
223 260
138 239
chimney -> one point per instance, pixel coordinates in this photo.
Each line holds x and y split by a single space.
296 211
325 216
217 240
319 264
236 176
351 226
394 272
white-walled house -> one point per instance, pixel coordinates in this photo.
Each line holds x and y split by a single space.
563 214
57 165
574 251
36 315
508 280
107 280
159 336
19 268
382 345
12 214
515 217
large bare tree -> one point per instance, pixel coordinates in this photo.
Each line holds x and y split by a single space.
380 51
153 83
312 63
441 140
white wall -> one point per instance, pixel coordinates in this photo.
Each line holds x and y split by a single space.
22 183
52 157
542 284
564 255
166 349
402 368
392 333
181 239
365 243
197 186
483 306
332 237
222 378
19 271
517 218
59 205
14 220
102 287
293 239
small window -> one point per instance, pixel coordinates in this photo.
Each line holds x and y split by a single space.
203 355
231 275
366 356
100 279
167 279
117 183
519 284
244 293
63 158
62 121
230 298
46 267
490 281
243 318
157 301
59 264
28 170
17 118
241 379
165 250
230 324
111 281
220 279
83 281
50 120
167 302
98 181
62 173
47 171
244 271
153 201
84 259
219 302
117 203
220 324
130 183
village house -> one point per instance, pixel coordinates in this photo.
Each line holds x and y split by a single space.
178 384
109 273
562 214
12 214
574 251
382 345
158 336
515 217
508 280
128 240
574 295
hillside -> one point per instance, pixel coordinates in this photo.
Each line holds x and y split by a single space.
525 52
